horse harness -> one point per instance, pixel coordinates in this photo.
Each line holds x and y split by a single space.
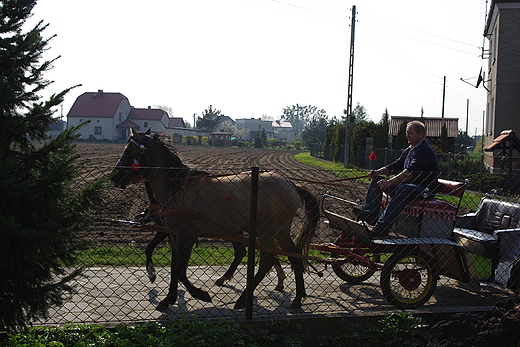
185 213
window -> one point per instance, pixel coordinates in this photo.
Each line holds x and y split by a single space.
120 116
146 124
98 130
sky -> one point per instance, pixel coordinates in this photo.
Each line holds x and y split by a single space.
250 58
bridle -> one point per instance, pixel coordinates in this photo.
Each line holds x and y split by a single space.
138 161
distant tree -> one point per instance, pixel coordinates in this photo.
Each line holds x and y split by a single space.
41 209
361 130
316 129
380 136
462 141
445 147
229 127
335 137
209 120
267 118
360 113
261 139
400 140
300 115
167 109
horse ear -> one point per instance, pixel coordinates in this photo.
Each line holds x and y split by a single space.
149 131
132 132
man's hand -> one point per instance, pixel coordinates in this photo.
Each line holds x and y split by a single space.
384 184
378 172
374 173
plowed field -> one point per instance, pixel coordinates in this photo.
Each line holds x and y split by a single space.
124 204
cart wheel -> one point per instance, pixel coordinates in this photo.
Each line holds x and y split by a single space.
353 272
409 278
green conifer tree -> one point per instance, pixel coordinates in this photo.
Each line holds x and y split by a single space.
41 208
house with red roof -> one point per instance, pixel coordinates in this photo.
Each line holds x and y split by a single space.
111 116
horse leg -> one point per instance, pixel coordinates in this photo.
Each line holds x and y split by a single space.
240 252
267 261
150 266
281 276
171 297
181 251
195 292
298 268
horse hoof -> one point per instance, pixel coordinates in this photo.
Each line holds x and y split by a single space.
152 278
163 306
279 289
295 305
240 304
202 295
222 281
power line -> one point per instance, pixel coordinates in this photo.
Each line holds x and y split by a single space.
422 31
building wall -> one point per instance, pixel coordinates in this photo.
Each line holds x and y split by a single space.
503 99
254 125
155 125
100 128
108 125
284 134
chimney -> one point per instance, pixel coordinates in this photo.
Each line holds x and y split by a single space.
149 107
100 92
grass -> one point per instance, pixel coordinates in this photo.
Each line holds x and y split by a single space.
135 256
336 168
469 200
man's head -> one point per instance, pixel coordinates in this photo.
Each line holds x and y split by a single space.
415 132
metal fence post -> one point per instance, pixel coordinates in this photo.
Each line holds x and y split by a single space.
252 241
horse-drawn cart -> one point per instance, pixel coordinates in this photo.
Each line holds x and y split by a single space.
410 266
411 261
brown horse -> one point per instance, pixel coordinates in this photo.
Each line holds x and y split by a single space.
192 206
239 248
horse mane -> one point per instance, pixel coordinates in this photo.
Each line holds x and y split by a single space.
161 137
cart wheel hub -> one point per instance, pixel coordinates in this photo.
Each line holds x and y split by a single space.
409 279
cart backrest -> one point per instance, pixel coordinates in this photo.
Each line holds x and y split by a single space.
494 214
452 188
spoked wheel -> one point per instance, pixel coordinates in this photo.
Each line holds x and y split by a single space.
353 271
409 278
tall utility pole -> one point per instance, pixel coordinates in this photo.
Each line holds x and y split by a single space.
467 115
443 95
348 118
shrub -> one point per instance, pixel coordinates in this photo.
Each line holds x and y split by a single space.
191 140
297 145
240 144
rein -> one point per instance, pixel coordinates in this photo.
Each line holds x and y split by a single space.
328 183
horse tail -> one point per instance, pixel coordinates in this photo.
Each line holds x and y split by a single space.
312 217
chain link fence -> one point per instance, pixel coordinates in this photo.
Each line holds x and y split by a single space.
460 263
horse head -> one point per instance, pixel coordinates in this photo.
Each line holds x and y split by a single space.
141 152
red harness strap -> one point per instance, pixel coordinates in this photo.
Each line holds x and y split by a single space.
180 212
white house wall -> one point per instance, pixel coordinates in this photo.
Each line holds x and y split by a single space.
100 128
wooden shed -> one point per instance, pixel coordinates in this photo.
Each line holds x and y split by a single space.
433 128
220 138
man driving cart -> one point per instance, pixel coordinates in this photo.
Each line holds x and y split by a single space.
417 169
